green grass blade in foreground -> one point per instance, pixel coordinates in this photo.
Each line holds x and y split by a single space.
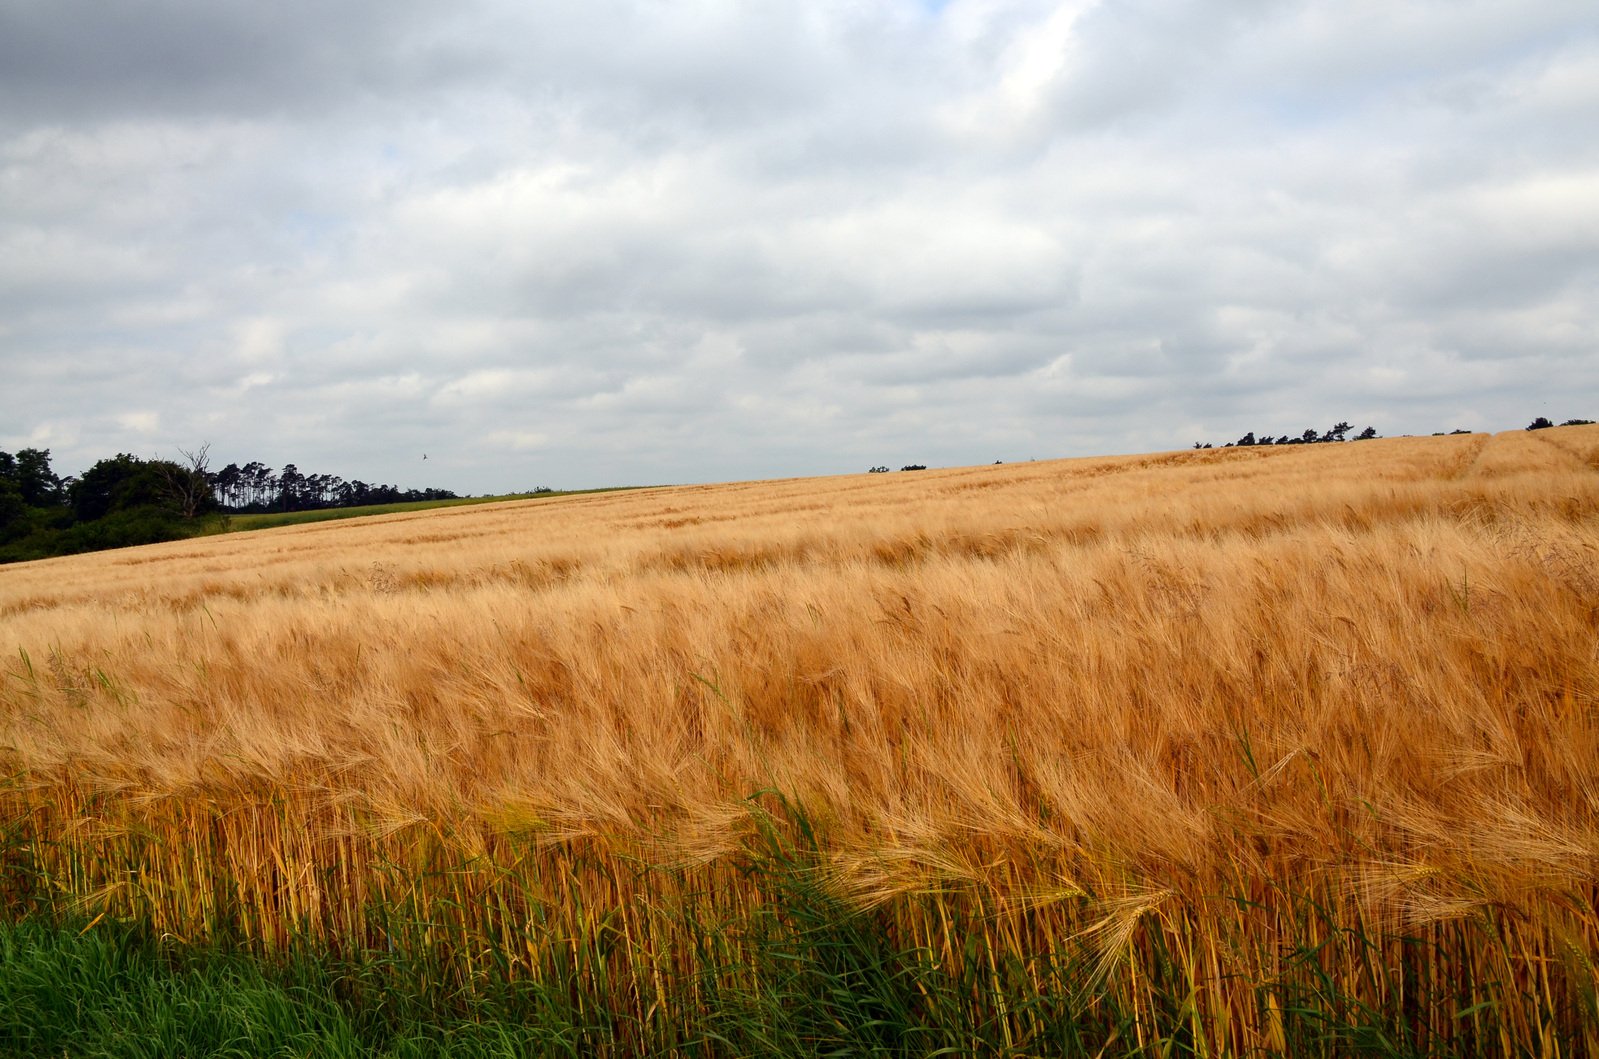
111 991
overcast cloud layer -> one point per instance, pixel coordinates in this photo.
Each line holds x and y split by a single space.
629 241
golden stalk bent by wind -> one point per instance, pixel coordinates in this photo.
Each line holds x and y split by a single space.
1200 704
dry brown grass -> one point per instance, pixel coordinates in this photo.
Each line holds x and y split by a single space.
1171 695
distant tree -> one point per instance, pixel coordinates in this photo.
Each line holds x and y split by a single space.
237 484
1541 423
226 482
291 484
878 470
96 489
189 483
1247 439
37 483
1367 434
316 489
914 467
256 484
121 483
264 484
1577 423
13 510
1337 432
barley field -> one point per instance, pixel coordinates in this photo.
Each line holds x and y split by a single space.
1278 750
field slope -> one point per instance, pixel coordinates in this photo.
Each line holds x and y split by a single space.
1285 750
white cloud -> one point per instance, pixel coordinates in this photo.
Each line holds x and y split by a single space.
585 244
144 423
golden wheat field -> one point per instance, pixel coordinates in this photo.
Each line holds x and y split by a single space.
1227 719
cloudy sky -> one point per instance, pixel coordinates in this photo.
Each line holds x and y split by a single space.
629 241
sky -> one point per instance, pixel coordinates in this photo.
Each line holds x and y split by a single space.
635 241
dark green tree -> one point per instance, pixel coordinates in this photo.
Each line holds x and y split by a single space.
259 482
227 484
126 483
30 470
291 484
13 512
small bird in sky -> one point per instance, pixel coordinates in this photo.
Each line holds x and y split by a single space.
424 455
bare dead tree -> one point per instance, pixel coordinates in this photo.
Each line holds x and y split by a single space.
190 481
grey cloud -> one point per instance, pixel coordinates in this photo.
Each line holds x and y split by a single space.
67 60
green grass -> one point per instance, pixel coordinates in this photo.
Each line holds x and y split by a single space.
113 990
810 980
271 520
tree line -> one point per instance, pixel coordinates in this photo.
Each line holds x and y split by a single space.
1340 431
255 488
125 500
1337 433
